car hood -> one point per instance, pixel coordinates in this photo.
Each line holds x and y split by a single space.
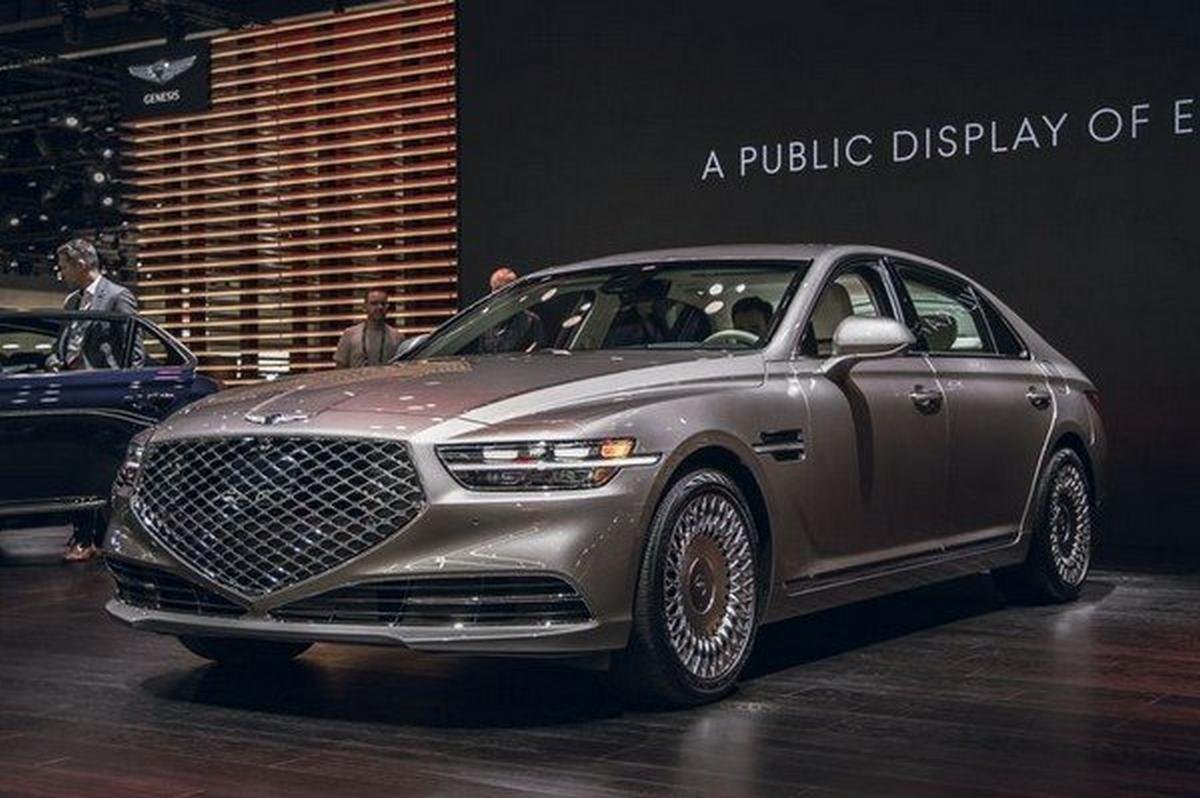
412 396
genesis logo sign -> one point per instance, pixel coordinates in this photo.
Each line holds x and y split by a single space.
178 82
164 70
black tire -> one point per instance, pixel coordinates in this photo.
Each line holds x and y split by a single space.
1060 550
241 652
699 578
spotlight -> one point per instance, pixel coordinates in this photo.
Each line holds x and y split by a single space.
98 176
107 153
71 121
106 202
14 221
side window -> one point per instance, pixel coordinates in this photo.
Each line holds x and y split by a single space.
151 351
857 291
26 345
949 316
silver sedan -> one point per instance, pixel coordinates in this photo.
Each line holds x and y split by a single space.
636 461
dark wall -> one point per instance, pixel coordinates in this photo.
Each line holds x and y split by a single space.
586 128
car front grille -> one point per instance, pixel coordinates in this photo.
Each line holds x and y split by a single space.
259 513
155 589
445 601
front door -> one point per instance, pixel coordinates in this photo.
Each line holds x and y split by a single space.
876 449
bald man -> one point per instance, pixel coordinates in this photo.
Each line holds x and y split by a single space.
501 277
521 333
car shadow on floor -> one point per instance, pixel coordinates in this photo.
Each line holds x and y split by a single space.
821 635
396 687
400 687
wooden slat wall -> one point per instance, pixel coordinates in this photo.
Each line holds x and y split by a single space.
325 166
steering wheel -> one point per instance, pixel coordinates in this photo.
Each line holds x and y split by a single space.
733 335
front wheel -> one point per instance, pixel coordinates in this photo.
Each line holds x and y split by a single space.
1060 550
242 652
696 607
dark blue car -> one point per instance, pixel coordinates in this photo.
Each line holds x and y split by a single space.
63 431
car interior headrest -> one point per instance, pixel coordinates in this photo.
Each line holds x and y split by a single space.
833 306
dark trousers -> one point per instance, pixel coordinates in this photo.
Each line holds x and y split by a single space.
90 526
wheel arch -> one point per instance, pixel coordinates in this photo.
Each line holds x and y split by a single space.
722 454
1073 439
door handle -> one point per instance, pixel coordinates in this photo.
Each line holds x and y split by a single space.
1037 397
926 401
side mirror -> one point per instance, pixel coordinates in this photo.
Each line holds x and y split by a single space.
859 338
408 345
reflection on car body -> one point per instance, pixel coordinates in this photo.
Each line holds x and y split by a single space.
651 478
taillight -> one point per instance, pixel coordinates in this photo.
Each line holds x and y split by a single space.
1094 398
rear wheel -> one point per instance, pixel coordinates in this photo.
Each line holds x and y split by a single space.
242 652
696 608
1060 551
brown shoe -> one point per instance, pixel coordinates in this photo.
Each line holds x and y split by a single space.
79 552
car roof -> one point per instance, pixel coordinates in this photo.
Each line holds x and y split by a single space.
716 252
797 252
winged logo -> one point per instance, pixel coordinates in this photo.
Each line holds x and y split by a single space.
276 418
164 70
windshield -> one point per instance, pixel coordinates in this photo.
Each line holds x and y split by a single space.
692 305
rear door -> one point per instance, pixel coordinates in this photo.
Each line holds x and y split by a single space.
998 400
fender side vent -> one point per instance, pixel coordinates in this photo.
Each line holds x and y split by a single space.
785 445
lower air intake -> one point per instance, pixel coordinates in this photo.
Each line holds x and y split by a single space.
469 601
155 589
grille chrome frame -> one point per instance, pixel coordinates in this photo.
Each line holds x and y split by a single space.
259 513
466 601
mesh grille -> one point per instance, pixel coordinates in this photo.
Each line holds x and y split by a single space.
256 514
155 589
470 601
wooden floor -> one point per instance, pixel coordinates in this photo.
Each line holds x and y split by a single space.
942 691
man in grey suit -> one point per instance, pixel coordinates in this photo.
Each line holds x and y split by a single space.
86 344
91 344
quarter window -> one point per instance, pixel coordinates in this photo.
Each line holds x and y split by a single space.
1007 342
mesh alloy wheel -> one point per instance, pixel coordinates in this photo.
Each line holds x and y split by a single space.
708 586
1061 530
697 598
1069 520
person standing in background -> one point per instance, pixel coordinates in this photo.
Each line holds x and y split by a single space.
82 344
501 277
521 333
373 342
87 344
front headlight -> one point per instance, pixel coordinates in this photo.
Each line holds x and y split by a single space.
127 473
541 465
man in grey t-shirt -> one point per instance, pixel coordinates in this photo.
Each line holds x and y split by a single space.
374 341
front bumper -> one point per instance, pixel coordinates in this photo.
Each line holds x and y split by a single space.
591 539
562 639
